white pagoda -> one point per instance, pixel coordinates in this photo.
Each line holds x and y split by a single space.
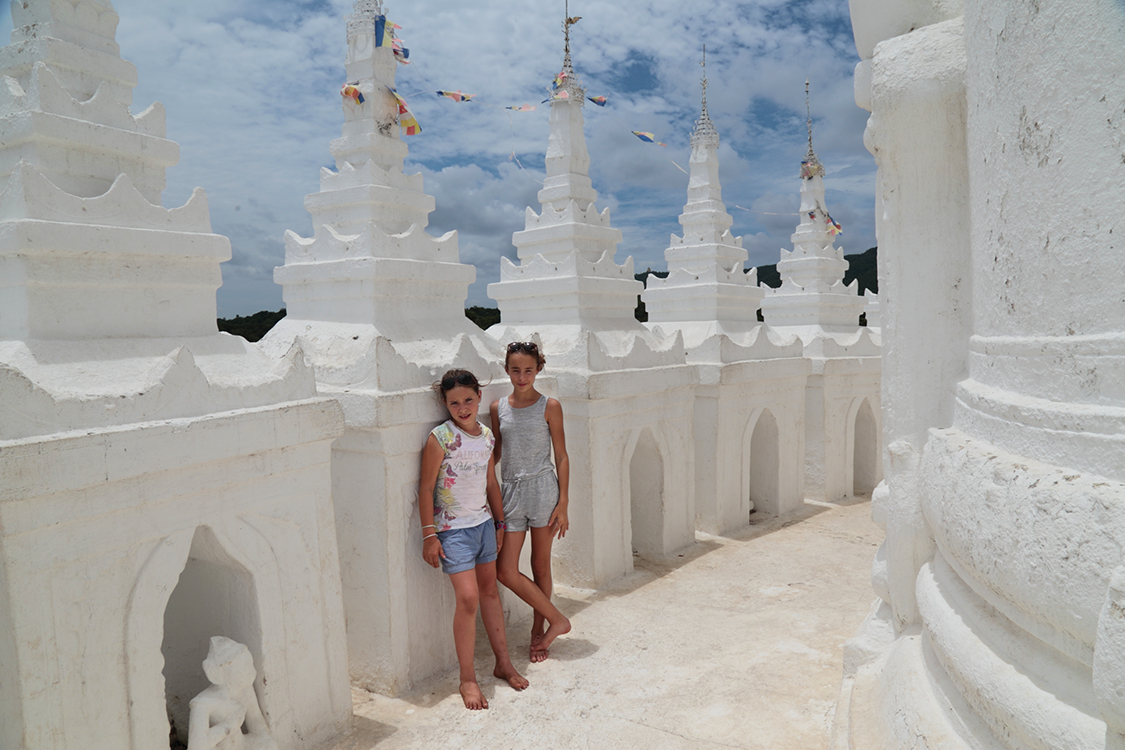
160 483
842 415
378 305
570 295
749 404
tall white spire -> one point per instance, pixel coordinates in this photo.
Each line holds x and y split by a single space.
370 262
569 239
812 292
706 283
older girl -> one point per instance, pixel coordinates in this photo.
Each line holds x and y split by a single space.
528 426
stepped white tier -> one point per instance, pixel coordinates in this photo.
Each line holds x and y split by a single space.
154 472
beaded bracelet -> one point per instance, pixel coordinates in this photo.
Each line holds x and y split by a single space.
501 525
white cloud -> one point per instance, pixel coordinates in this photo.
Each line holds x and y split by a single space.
251 93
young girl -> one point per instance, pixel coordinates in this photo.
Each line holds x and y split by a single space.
459 532
528 425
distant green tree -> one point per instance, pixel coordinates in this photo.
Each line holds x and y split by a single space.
640 313
252 327
484 317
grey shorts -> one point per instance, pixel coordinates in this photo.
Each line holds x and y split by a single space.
530 501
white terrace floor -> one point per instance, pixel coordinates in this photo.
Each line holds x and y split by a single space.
737 644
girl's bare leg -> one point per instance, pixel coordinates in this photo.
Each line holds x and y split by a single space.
465 636
541 541
508 571
492 613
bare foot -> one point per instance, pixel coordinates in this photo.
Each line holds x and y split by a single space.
509 673
553 632
473 697
536 653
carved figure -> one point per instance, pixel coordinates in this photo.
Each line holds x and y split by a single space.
219 713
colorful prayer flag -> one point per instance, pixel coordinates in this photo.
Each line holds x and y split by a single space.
401 53
351 91
598 100
457 96
522 108
560 79
834 227
647 137
556 95
406 118
384 31
811 169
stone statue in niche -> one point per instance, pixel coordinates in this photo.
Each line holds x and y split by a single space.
219 713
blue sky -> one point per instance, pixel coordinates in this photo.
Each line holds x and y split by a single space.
251 89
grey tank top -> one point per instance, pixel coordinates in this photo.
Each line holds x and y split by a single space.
526 446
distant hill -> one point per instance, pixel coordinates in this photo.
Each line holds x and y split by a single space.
862 266
252 327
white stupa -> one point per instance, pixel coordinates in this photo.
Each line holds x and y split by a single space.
370 272
631 464
706 291
567 282
154 472
812 299
379 306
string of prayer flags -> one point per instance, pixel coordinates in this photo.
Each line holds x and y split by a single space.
457 96
598 100
556 95
406 118
522 108
647 137
834 227
351 91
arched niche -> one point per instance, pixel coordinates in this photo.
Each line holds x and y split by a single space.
646 496
215 595
762 463
865 451
230 542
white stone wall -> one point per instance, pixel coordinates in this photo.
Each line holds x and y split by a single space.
999 623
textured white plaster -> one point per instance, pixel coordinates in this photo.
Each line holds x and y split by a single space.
1002 378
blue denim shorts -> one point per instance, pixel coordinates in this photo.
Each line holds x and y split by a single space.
467 548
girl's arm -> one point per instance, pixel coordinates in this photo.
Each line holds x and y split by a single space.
494 419
495 502
559 519
432 455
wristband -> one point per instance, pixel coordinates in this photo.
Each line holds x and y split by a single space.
429 526
501 525
431 536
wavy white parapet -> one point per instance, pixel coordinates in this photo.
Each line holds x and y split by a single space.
29 194
44 93
569 214
372 242
573 264
124 382
369 173
689 239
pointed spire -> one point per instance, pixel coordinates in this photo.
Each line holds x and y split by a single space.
569 83
705 131
811 166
